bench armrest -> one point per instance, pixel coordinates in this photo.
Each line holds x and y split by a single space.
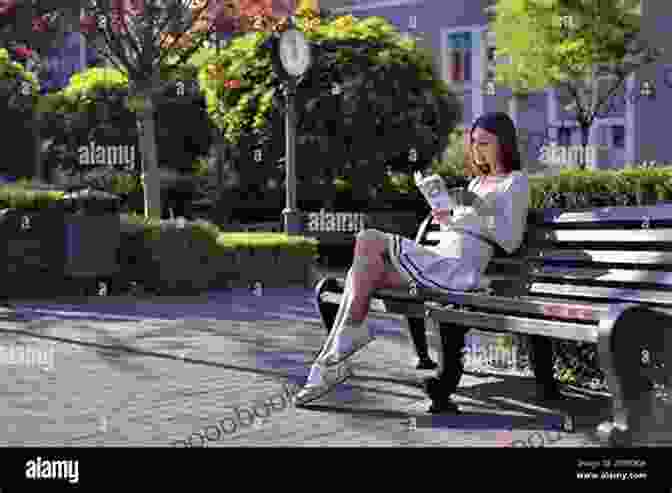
422 230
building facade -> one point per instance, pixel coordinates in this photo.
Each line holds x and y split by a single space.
456 32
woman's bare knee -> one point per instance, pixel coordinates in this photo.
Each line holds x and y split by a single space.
370 242
371 235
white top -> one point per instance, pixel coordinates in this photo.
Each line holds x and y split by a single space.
501 215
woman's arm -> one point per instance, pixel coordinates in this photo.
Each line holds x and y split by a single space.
510 219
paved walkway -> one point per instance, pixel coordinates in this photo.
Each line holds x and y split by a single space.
114 371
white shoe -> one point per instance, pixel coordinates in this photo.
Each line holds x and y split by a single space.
321 381
346 346
337 357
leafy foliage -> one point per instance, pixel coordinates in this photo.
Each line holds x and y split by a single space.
19 88
369 98
569 45
96 105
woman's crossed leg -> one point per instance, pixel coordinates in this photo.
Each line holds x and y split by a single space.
350 331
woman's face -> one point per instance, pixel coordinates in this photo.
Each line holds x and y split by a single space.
484 151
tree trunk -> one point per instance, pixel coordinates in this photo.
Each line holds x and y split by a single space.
150 168
39 172
585 135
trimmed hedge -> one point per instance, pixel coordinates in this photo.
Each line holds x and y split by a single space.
574 189
172 257
19 197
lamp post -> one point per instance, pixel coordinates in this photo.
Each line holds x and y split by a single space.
295 59
292 216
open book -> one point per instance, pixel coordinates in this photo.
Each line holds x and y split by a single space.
438 196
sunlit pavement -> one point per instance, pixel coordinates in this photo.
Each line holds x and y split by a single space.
122 371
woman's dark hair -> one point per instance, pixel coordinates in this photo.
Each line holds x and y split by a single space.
502 126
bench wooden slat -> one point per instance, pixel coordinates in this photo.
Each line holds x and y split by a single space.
613 295
616 236
663 280
508 323
660 212
523 305
602 256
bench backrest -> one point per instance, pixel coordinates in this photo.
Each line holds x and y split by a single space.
613 254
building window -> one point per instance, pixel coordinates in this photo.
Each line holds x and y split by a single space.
459 57
618 136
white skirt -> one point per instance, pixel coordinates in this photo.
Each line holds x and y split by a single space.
427 268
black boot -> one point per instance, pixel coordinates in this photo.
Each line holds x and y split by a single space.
416 327
440 395
440 388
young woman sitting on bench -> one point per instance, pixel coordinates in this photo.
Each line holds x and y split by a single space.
494 206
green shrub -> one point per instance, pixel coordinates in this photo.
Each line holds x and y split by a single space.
170 256
451 164
390 101
19 197
575 189
95 105
296 244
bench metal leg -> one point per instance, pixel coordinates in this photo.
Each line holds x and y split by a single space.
543 358
452 364
632 348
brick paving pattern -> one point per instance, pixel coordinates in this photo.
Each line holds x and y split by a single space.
151 372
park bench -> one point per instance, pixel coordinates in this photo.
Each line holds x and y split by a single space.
600 276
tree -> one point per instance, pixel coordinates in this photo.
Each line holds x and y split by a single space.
371 100
93 109
146 40
573 45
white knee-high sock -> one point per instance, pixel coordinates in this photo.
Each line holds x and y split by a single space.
343 312
345 332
